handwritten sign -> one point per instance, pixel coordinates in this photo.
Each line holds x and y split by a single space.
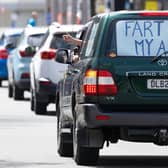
142 37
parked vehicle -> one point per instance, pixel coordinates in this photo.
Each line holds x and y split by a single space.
8 41
45 72
19 62
119 87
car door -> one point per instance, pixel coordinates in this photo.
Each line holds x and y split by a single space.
72 71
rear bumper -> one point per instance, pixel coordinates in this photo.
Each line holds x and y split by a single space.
46 92
3 77
23 84
86 117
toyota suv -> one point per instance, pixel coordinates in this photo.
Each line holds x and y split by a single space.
119 87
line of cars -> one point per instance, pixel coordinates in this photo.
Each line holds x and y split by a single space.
118 88
29 65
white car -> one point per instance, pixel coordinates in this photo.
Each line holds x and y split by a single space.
45 73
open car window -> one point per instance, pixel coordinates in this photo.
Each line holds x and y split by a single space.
59 42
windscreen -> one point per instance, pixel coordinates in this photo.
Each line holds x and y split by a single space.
35 40
141 37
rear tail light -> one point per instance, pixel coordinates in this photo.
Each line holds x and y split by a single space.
99 82
90 86
154 13
49 54
24 54
3 53
44 81
106 84
25 75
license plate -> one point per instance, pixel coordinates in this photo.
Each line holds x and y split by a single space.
157 83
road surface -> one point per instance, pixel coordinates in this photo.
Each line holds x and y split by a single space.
29 141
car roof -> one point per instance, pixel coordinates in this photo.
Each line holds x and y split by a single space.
140 13
34 30
12 31
64 28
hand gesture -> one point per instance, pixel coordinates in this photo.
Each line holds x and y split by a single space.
68 38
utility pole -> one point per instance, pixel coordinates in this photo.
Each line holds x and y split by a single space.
93 7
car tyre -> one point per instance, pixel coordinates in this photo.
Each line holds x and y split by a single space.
18 94
39 107
10 90
31 101
83 155
64 149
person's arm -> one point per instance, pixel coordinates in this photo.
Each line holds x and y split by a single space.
69 38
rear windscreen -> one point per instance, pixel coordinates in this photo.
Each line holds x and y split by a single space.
35 40
141 37
12 39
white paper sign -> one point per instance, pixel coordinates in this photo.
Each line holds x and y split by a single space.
142 37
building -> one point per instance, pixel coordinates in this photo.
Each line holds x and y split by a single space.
70 11
79 11
17 12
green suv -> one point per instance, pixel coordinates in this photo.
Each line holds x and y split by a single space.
119 87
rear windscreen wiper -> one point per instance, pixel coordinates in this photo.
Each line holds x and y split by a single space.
165 53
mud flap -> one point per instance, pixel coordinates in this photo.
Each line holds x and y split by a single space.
92 138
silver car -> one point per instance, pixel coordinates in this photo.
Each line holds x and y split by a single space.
19 61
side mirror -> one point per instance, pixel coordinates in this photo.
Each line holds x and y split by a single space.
30 50
10 46
62 56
